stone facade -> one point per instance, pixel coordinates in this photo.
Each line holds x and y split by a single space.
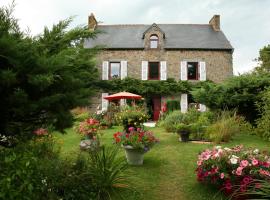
218 63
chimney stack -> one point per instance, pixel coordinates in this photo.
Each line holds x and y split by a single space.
92 22
215 22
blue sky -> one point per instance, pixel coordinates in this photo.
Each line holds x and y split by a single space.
246 23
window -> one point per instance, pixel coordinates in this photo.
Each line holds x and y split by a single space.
153 71
153 41
192 70
115 68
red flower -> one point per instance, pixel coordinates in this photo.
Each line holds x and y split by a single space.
117 139
41 131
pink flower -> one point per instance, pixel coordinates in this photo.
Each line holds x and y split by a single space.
222 175
255 162
214 170
244 163
243 188
239 171
257 185
264 172
131 129
199 162
228 186
41 131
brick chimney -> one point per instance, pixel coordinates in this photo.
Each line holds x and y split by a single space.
92 22
215 22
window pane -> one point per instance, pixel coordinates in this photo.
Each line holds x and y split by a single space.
192 70
153 70
115 70
153 44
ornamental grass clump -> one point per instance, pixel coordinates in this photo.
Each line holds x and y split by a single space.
136 138
233 169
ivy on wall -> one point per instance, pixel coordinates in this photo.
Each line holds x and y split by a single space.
147 88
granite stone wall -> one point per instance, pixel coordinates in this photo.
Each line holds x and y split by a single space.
218 63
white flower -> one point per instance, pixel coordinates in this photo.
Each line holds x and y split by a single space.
256 151
217 147
227 149
233 161
44 181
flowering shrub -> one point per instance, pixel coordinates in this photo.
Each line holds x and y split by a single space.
132 116
137 138
88 127
232 169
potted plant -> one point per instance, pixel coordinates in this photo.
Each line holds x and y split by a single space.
136 143
89 129
132 116
184 131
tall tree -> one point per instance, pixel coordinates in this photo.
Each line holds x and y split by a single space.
42 77
264 60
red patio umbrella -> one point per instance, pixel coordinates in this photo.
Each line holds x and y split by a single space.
122 95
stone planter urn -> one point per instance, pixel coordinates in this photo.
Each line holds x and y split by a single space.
89 144
134 156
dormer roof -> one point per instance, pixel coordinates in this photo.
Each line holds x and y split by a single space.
155 27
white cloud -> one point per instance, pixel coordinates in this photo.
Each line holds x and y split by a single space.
244 22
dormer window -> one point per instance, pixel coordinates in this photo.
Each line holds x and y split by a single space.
153 41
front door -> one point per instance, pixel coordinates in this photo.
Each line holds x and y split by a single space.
156 107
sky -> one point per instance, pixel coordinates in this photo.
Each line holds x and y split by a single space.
246 23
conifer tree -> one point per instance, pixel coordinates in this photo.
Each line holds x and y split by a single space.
42 77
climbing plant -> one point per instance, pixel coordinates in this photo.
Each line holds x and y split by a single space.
147 88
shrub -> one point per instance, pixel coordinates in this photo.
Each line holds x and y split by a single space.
171 120
226 126
34 170
174 118
173 105
24 169
263 125
198 129
132 116
232 169
238 92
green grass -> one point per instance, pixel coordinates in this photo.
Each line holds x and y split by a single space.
168 171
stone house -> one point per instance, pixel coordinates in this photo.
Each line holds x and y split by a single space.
189 52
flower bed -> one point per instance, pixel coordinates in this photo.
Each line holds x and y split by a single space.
233 169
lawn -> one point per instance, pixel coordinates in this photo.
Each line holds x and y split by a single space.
168 171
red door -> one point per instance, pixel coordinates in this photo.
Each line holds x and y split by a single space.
156 107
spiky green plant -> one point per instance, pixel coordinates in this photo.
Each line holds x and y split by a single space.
109 172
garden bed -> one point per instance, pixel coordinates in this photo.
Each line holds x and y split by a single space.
169 168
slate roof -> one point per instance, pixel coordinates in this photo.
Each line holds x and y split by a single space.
178 36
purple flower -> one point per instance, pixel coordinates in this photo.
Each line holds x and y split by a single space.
146 149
